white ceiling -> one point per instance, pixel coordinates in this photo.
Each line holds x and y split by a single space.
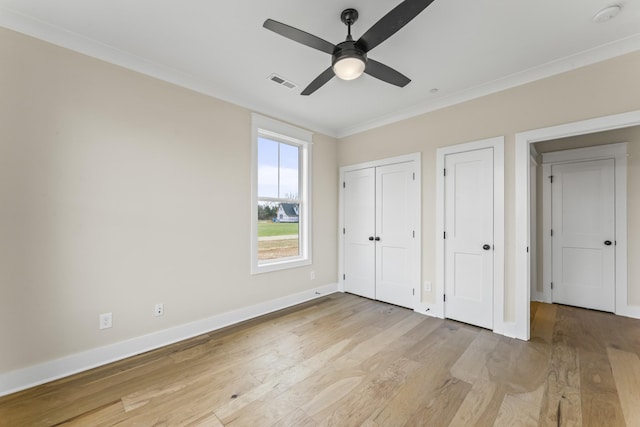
464 48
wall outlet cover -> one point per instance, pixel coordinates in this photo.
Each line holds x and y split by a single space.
106 320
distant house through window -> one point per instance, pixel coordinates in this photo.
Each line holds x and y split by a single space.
288 212
280 228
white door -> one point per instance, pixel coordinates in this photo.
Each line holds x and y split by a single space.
359 232
583 224
396 217
469 237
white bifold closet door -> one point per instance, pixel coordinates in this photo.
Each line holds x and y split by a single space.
380 215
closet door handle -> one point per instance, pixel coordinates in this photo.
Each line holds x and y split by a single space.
371 238
377 239
486 247
607 242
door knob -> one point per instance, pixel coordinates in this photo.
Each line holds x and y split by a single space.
371 238
607 242
486 247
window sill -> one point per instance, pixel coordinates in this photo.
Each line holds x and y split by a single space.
280 265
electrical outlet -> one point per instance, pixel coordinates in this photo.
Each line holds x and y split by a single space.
427 286
313 275
159 310
106 320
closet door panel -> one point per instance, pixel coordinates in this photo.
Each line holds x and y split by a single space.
359 232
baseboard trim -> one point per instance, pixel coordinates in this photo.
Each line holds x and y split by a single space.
508 329
21 379
632 311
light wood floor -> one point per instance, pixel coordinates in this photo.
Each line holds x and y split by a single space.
344 360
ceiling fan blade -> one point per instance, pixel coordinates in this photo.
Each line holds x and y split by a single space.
299 36
389 24
385 73
319 81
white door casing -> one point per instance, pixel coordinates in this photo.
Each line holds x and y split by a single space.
533 212
359 219
469 237
521 325
583 225
396 207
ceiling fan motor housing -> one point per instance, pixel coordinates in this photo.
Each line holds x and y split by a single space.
348 60
348 49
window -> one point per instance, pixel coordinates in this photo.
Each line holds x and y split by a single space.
280 196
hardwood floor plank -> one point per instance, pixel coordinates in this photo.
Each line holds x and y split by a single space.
520 409
232 410
96 416
380 341
480 404
561 404
600 402
626 372
368 398
423 385
343 360
346 365
471 367
208 420
543 323
471 364
297 418
441 404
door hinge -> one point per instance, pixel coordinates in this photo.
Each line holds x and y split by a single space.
552 232
527 249
414 292
445 297
444 172
344 277
414 234
344 231
444 235
344 184
551 178
551 285
414 176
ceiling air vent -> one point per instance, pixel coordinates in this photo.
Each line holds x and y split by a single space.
282 81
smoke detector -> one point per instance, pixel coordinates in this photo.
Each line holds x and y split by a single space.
606 14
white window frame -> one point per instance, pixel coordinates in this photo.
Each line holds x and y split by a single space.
262 126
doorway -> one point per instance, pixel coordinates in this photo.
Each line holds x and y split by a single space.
522 213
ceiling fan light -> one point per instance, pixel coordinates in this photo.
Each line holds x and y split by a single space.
349 67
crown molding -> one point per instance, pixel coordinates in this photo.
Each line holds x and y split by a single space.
568 63
49 33
58 36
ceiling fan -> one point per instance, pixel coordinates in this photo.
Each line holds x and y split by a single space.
349 58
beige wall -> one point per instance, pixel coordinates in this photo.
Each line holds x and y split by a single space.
601 89
631 136
118 191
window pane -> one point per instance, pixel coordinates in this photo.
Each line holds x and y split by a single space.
278 232
289 171
267 168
